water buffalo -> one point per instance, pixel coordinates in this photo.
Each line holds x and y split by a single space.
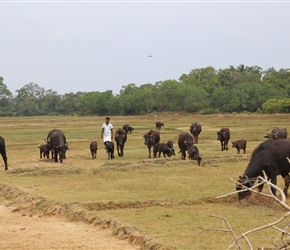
3 152
128 128
193 154
159 125
277 133
120 138
224 136
270 156
57 141
240 144
44 150
94 149
110 149
151 138
164 149
185 143
195 129
169 144
185 140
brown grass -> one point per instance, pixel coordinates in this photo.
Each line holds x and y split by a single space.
165 200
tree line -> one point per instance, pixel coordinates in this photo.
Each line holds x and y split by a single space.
206 91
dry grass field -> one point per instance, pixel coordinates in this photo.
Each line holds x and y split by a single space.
157 203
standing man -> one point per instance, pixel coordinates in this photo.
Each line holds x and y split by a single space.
107 131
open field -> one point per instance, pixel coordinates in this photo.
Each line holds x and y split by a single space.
159 202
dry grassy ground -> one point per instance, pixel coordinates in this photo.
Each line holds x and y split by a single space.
152 203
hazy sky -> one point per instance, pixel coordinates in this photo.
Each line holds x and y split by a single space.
72 46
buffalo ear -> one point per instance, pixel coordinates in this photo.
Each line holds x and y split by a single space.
240 177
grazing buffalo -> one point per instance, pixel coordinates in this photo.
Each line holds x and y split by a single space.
120 138
164 149
240 144
94 149
57 142
169 144
159 125
270 156
277 133
195 129
193 154
185 143
110 149
44 150
151 138
128 128
3 152
224 136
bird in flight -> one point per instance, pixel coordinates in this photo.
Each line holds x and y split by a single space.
150 56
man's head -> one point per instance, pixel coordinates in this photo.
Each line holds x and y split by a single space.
107 120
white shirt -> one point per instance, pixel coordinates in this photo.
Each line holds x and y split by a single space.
107 136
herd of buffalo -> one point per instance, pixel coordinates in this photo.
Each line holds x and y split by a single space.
271 156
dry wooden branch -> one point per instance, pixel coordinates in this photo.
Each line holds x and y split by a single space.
281 201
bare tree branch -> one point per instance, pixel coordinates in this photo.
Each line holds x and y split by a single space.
282 201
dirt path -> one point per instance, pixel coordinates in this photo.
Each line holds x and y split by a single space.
18 231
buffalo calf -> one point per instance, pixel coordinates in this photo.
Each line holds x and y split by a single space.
164 149
240 145
44 150
193 154
224 136
110 149
93 149
128 128
159 125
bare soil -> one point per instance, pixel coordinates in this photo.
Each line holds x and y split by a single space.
21 231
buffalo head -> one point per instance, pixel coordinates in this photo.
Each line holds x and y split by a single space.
242 184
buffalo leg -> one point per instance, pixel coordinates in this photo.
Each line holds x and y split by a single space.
118 149
287 181
4 156
149 150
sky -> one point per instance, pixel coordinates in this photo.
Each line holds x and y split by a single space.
71 46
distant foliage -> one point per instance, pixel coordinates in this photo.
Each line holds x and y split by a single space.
240 89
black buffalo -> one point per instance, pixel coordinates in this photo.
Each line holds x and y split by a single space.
120 138
164 149
159 125
94 149
44 150
195 129
224 136
3 152
169 144
110 149
57 142
270 156
151 138
277 133
240 145
186 143
128 128
193 154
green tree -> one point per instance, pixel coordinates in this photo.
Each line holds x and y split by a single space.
29 99
95 103
6 100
